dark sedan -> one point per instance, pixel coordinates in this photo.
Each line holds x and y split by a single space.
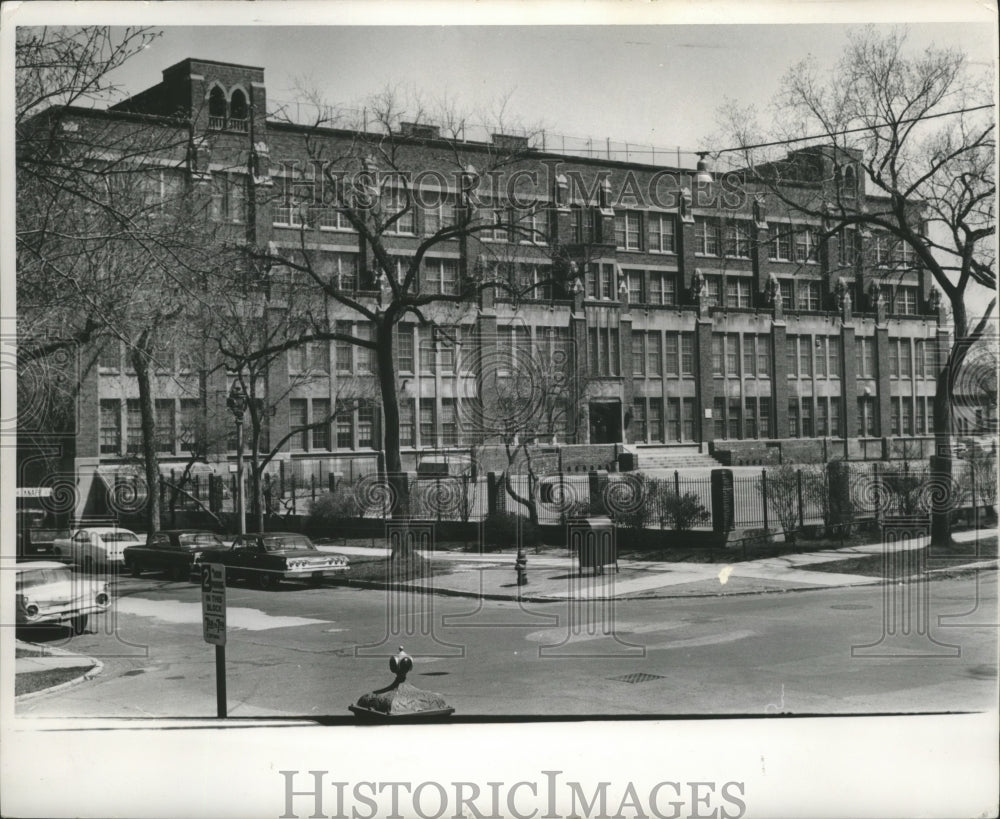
268 558
175 551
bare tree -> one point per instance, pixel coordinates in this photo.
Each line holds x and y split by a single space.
364 180
912 133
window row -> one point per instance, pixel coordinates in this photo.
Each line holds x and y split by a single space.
656 354
756 359
910 415
645 231
181 427
656 422
352 424
814 417
734 418
793 243
813 356
716 237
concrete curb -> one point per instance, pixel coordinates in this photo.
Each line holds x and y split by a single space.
375 584
96 668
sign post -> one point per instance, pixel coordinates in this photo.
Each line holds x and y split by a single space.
213 614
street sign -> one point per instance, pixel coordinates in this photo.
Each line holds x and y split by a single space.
34 492
213 603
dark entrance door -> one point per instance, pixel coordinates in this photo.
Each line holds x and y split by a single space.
605 422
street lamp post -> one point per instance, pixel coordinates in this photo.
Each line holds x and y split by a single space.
237 403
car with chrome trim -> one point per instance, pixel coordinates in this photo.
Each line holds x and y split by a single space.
51 593
175 552
93 546
268 558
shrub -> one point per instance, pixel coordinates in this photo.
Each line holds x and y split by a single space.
682 512
501 530
782 496
331 508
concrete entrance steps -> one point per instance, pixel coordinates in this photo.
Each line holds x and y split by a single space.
673 457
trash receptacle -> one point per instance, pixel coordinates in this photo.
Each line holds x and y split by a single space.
593 540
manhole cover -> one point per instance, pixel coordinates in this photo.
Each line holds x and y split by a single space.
851 607
984 672
639 677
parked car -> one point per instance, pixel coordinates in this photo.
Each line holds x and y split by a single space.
267 558
94 546
175 551
50 592
36 534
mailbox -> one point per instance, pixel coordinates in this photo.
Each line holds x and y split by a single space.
593 540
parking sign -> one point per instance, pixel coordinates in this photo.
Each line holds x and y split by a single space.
213 603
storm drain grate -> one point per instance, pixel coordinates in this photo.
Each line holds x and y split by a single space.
639 677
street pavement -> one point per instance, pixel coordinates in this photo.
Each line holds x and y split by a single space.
304 652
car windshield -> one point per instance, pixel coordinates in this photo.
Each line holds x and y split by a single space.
278 543
42 577
199 540
119 537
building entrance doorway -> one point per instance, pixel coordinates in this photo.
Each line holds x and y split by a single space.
605 422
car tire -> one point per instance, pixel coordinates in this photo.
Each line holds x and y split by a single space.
79 623
177 573
266 580
135 569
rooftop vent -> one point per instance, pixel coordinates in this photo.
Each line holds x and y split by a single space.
420 129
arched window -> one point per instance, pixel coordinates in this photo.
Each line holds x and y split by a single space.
238 110
217 108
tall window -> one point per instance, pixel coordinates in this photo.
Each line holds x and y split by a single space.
763 355
835 417
404 348
344 349
732 354
111 426
133 428
793 418
847 253
345 426
719 416
792 356
906 300
397 203
672 354
734 423
440 276
655 368
737 292
805 357
785 289
426 347
440 214
673 419
638 353
706 233
806 244
406 422
635 287
321 416
661 233
656 420
780 247
822 418
428 436
737 241
639 419
809 295
109 358
764 417
718 344
627 230
687 353
714 285
865 357
228 198
166 434
366 424
749 418
821 356
298 416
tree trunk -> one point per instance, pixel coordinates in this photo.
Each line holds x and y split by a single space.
147 409
394 475
941 461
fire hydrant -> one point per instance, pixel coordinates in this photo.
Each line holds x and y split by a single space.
521 567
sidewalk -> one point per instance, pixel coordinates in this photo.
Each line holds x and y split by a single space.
553 577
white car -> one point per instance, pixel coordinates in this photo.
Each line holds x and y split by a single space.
50 592
95 546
